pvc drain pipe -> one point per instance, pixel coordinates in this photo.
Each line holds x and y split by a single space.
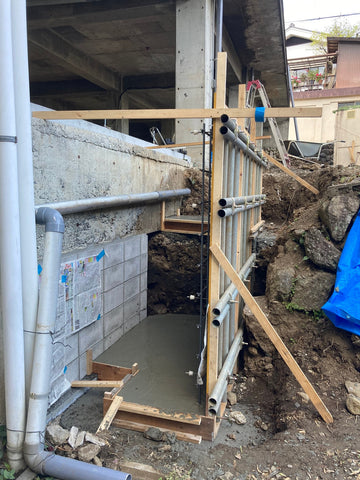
40 461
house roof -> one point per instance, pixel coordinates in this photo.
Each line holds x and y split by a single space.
333 42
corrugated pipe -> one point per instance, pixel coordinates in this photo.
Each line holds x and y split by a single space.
229 202
219 390
230 137
10 264
40 461
228 212
227 295
233 126
87 204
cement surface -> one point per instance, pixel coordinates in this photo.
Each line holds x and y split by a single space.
165 347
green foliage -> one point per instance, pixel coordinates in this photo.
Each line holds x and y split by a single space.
7 473
340 28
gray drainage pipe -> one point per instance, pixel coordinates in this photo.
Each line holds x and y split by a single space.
227 295
220 387
231 137
86 204
47 463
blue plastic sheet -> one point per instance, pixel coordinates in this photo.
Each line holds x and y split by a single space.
343 307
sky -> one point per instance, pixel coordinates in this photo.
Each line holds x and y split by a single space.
295 10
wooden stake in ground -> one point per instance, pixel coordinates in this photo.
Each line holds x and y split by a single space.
110 414
271 333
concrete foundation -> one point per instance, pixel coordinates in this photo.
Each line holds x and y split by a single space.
165 347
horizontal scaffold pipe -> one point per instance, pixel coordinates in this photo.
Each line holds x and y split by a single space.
227 295
227 212
221 383
229 202
86 204
233 126
230 137
163 113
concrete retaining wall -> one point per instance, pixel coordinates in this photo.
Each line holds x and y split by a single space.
75 160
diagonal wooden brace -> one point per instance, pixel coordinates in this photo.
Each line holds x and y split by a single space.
271 333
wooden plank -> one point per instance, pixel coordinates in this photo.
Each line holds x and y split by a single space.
155 412
282 167
139 471
105 371
263 137
241 103
272 334
164 113
257 227
162 216
89 361
215 224
135 369
177 145
97 384
139 427
351 151
183 226
110 414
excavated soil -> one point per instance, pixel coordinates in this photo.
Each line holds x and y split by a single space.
284 436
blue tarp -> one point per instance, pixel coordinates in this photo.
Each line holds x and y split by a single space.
343 307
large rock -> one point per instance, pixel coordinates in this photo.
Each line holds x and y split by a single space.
353 404
280 279
56 434
312 289
320 251
337 213
88 452
258 339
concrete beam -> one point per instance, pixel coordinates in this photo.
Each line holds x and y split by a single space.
57 89
74 60
232 55
97 12
135 82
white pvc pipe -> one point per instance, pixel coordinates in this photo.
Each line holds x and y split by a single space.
25 181
10 264
40 461
40 381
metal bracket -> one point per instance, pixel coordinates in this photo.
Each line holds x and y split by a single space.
7 138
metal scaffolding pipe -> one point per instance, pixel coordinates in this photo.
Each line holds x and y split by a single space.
87 204
233 126
229 202
226 297
228 212
230 137
220 386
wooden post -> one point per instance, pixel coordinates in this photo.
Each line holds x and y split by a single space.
215 226
272 334
110 414
89 361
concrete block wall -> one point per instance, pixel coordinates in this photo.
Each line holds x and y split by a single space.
123 271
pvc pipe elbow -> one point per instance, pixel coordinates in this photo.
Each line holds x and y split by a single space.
51 218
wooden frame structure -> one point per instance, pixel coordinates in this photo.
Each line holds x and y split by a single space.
244 164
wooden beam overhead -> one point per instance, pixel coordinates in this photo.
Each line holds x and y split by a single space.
286 112
74 60
97 12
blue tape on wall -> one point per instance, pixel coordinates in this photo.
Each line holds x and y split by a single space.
99 316
39 269
100 255
260 114
65 368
